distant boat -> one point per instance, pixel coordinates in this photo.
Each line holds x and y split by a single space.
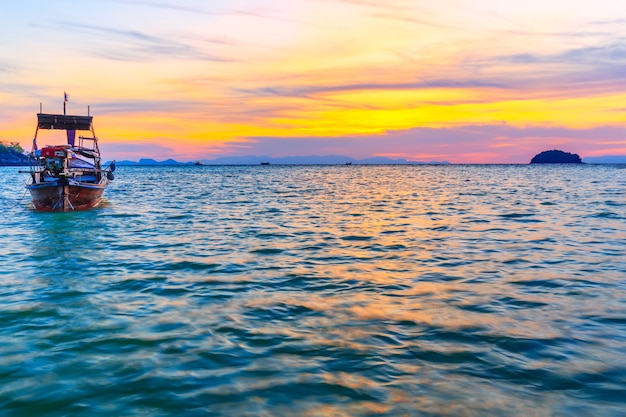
265 163
349 163
198 163
69 176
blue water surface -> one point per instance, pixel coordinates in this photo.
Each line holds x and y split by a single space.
463 290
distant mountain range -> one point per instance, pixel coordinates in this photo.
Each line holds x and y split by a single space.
609 159
288 160
11 157
325 160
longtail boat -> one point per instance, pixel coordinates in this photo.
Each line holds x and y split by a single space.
68 176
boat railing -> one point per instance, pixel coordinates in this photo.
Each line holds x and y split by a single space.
73 172
82 139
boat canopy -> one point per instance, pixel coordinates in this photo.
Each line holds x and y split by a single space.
63 122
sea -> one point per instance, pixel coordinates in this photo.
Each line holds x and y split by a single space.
407 290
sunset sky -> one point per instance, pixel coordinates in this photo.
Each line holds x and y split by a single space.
467 81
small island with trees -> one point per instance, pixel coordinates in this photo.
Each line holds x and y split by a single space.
556 156
13 155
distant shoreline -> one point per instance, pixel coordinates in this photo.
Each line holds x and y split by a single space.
252 161
332 160
191 164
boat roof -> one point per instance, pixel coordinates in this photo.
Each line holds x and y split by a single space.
63 122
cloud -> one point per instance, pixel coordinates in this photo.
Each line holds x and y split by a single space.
168 6
308 90
613 53
398 10
6 68
591 70
496 143
147 106
134 150
196 10
606 22
200 111
134 45
574 72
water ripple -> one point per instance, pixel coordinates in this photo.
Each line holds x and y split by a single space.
380 290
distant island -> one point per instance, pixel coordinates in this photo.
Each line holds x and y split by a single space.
556 156
12 154
287 160
546 157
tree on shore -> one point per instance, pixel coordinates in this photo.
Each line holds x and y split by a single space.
12 146
12 154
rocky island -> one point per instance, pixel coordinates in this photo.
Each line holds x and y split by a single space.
556 156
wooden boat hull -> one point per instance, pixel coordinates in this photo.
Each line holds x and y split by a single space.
66 195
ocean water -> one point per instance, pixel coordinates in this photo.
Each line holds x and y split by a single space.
319 291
